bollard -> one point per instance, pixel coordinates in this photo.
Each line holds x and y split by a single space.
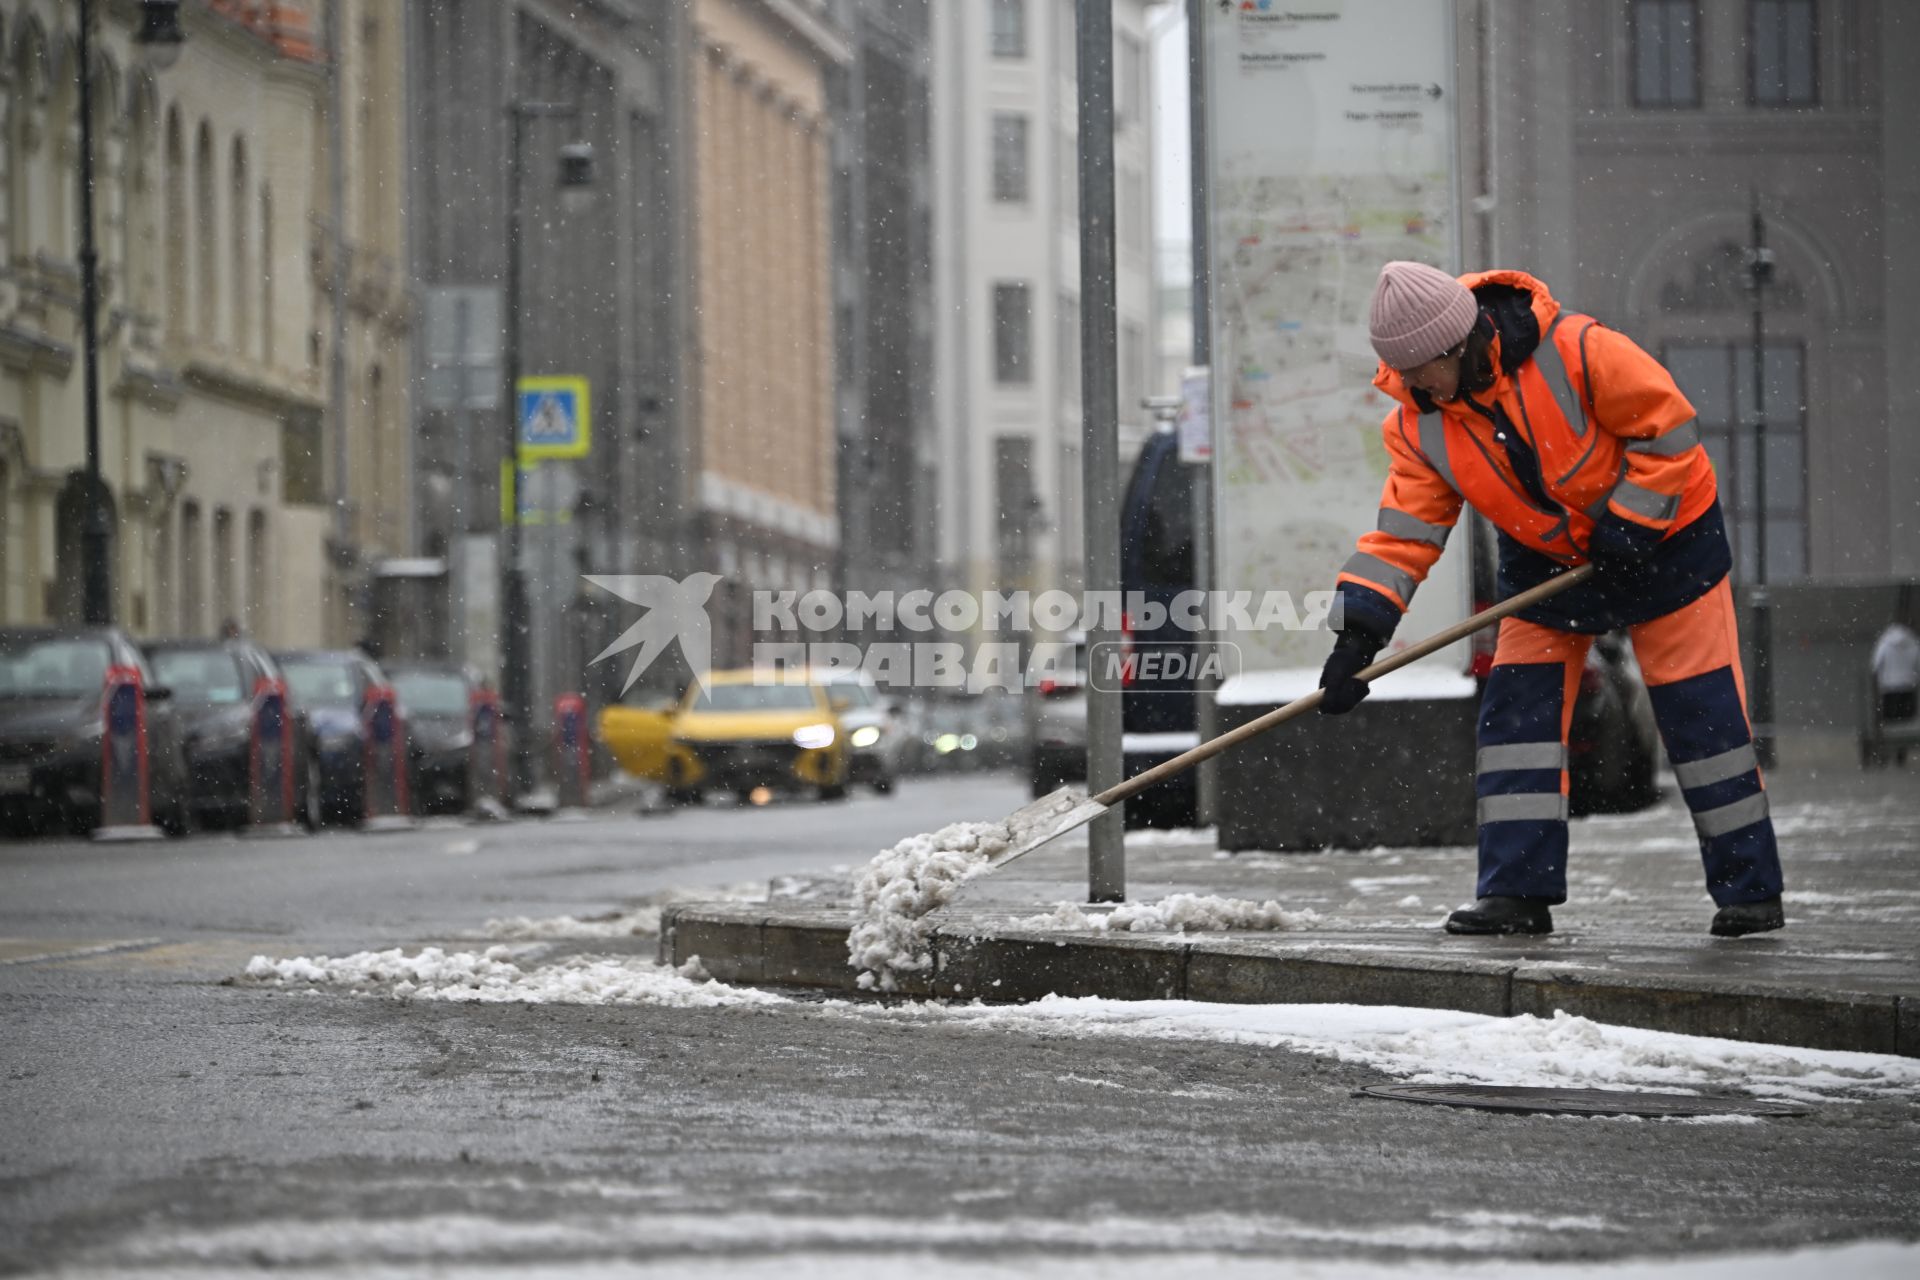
385 772
126 800
270 762
487 760
572 753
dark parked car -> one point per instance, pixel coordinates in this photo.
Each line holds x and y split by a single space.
330 689
52 719
437 700
213 684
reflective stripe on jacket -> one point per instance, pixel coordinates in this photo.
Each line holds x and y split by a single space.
1602 431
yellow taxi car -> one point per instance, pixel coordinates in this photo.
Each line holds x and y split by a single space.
747 732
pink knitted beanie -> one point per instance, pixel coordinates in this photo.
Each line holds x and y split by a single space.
1418 312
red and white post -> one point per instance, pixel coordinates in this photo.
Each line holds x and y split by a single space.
572 752
270 762
385 777
126 795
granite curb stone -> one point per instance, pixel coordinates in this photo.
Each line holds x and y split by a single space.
807 948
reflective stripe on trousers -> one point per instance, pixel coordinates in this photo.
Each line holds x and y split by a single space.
1690 659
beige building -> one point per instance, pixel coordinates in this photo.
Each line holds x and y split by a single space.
764 439
221 400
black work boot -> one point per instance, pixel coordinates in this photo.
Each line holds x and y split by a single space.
1502 915
1748 917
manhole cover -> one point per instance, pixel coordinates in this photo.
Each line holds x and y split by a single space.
1579 1102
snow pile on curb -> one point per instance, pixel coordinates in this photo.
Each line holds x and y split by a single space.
496 976
906 883
902 886
1176 913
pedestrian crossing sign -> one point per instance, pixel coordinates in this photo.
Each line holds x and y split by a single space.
554 418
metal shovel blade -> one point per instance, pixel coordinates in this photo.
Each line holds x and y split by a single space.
1051 816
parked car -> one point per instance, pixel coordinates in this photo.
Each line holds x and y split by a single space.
330 689
437 700
743 732
876 740
52 722
213 683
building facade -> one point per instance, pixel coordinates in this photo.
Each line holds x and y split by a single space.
1007 262
1620 152
762 376
883 293
596 302
225 438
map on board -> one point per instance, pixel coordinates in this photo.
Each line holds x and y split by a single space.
1331 155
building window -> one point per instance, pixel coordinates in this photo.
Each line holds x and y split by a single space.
1009 158
1067 343
1012 334
1068 172
192 598
225 608
1718 378
206 218
266 276
242 282
1782 47
177 286
1018 506
1133 370
1009 28
1129 81
258 620
1666 53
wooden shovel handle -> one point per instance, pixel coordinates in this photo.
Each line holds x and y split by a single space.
1279 715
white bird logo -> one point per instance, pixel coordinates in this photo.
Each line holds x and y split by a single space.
675 611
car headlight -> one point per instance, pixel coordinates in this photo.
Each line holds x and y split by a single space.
865 736
813 736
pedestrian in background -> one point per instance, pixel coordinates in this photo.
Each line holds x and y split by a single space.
1578 446
1896 676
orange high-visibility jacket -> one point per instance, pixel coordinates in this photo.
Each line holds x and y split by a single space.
1609 430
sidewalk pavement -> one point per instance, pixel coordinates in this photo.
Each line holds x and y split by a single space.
1631 944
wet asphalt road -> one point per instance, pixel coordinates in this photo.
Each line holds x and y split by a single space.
155 1121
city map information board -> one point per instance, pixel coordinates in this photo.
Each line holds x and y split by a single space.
1332 132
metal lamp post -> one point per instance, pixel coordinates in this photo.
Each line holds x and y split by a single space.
516 674
159 39
1759 276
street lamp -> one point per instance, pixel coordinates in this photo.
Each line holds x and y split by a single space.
159 39
1759 276
516 674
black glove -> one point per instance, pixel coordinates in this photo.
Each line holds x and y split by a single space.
1352 653
1622 549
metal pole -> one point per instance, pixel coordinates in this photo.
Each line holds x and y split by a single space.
337 318
1207 715
514 676
1761 270
96 530
1100 442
